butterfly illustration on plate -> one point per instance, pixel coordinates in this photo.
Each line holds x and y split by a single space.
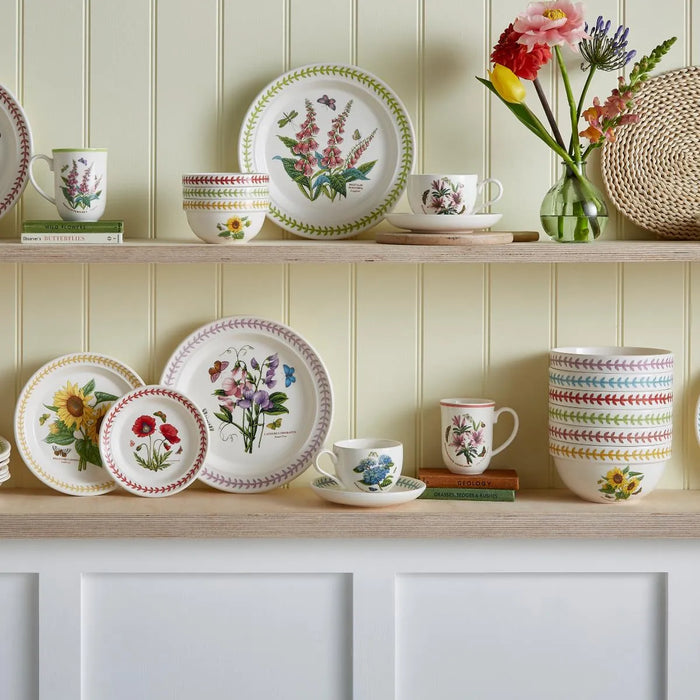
289 377
43 418
216 370
60 451
328 101
275 424
356 134
287 118
160 415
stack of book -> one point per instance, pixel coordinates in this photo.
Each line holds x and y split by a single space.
491 485
56 231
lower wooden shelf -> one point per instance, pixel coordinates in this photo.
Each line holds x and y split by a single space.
299 513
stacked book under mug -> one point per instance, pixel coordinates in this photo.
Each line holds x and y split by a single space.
491 485
57 232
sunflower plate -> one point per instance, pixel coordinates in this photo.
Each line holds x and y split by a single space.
58 417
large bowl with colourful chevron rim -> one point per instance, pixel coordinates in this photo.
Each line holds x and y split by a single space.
610 419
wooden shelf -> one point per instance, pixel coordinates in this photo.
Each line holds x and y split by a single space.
300 513
353 251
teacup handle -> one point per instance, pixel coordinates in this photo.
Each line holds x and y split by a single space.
480 187
511 437
334 459
41 156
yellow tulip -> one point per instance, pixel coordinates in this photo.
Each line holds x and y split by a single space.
507 84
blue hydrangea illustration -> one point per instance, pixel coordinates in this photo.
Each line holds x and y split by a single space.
375 470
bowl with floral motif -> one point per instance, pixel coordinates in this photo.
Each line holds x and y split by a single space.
225 226
603 481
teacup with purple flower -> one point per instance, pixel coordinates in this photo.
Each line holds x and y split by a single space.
364 464
449 195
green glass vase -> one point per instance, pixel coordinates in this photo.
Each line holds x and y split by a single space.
574 211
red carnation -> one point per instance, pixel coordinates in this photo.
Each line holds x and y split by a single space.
525 64
169 432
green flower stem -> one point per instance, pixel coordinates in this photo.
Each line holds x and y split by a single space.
586 85
575 145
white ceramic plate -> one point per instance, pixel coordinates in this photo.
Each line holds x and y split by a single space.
322 193
406 489
15 151
266 397
4 449
454 223
153 441
58 417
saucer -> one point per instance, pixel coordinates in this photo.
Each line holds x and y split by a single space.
4 449
406 489
447 223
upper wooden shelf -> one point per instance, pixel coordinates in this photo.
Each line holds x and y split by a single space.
300 513
352 251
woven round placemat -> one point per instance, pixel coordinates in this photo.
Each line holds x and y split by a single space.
652 170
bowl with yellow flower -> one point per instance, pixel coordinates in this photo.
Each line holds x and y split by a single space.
225 207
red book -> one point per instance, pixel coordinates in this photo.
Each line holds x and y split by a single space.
490 479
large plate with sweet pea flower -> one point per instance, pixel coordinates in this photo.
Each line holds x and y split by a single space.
338 145
265 395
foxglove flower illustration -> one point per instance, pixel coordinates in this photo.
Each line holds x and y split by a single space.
326 172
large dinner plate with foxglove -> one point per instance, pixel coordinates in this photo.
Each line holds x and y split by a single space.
338 145
266 397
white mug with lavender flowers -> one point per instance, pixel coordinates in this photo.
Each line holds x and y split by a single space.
80 182
364 464
449 194
467 433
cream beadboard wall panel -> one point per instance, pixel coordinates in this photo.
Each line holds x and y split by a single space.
166 89
655 308
453 347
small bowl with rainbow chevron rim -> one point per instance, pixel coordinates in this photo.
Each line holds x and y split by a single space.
226 207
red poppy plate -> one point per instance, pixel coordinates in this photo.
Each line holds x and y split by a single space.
265 395
59 416
153 441
15 151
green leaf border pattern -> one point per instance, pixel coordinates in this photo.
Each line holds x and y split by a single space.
404 128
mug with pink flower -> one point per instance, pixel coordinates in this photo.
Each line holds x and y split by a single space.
573 210
467 433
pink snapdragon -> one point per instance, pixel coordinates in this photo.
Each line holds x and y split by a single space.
551 23
604 118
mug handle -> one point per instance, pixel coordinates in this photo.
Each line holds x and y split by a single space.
41 156
480 187
334 459
511 437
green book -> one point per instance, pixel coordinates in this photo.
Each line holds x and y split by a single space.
462 494
60 226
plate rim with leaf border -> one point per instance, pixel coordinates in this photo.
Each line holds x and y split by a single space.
23 150
112 430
